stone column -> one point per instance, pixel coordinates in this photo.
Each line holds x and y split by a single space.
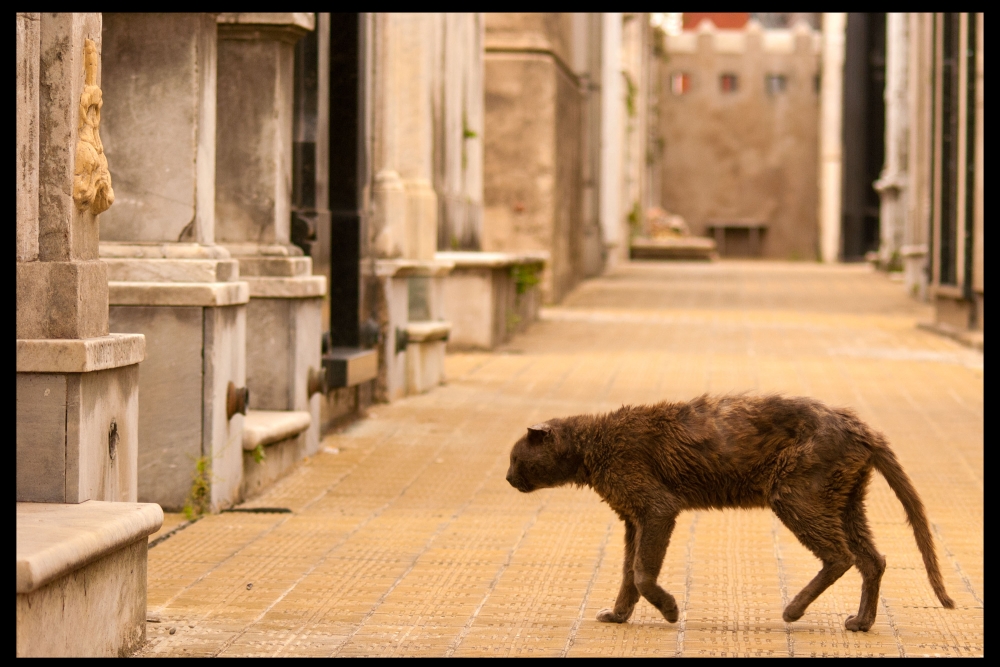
612 110
891 185
76 383
253 221
458 124
405 205
169 280
830 139
77 391
919 164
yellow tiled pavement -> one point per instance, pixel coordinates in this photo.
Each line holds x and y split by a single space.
405 539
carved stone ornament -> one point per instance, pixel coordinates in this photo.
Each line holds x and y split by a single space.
91 178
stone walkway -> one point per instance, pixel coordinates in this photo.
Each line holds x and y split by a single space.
403 538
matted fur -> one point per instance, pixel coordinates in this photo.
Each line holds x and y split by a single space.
808 462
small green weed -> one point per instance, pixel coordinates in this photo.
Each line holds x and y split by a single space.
198 499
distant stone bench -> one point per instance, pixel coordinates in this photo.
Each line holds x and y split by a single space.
755 231
682 247
81 577
490 296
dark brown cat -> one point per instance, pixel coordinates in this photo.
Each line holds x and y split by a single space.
807 462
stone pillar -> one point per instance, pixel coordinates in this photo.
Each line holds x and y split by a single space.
612 110
919 164
77 391
169 280
891 185
458 124
405 205
253 221
830 139
405 201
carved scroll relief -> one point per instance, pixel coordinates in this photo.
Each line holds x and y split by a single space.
91 178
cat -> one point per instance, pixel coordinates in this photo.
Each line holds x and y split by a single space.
808 462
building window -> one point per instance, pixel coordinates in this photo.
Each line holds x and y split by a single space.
680 83
728 83
775 83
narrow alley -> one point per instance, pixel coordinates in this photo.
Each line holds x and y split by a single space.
401 536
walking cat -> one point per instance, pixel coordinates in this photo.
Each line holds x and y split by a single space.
807 462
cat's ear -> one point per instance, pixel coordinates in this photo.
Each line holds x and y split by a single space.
538 432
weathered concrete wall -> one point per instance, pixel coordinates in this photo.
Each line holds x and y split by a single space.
159 110
170 439
750 153
532 138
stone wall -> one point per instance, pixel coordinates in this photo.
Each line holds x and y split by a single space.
750 153
532 136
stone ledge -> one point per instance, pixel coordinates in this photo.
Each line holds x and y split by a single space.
404 268
684 247
250 249
127 293
275 267
492 260
265 427
80 355
112 249
300 287
126 269
424 332
304 20
54 539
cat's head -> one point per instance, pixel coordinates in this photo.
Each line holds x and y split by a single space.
543 458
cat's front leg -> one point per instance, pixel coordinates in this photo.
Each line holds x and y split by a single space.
652 538
628 594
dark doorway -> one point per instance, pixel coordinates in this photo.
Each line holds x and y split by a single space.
304 126
864 133
344 179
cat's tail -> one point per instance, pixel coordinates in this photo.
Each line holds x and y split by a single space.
887 464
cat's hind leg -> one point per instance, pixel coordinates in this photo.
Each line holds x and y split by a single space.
824 536
652 538
628 594
868 560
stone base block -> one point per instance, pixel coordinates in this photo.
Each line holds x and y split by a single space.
425 355
77 435
283 352
98 610
489 296
185 433
424 366
62 299
81 577
952 311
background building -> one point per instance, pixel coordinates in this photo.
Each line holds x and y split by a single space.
738 113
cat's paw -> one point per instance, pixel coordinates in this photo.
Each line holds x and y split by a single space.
792 614
609 616
854 624
671 614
